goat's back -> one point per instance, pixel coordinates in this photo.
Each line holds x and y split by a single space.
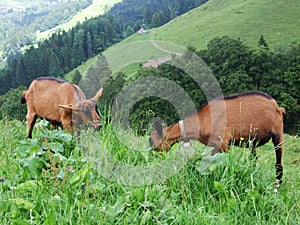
254 115
46 94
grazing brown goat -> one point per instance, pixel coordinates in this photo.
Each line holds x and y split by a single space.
250 117
60 103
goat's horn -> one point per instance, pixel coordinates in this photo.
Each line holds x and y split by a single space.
98 95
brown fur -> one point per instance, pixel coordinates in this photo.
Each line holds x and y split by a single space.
59 102
251 116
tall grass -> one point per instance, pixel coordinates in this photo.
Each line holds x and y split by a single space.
49 180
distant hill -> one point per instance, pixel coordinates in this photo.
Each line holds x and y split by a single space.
277 21
20 4
26 22
98 7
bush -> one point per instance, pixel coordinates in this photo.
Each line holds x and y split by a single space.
10 105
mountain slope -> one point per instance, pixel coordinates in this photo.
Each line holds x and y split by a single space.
98 7
277 21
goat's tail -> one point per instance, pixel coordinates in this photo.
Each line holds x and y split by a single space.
283 111
23 97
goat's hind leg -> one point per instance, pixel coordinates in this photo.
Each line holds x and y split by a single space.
30 121
278 141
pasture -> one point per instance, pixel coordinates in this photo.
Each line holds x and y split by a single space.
244 19
49 180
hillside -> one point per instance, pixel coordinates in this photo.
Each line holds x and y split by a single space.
20 4
277 21
97 8
20 20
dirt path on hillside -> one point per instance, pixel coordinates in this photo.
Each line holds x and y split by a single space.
154 43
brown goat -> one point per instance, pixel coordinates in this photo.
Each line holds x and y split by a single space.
60 103
250 117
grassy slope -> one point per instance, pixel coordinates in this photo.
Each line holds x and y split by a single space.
97 8
278 21
70 191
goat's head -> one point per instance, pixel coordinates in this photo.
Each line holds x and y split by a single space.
85 111
159 139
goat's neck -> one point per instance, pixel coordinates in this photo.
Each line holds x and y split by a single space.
173 133
188 129
191 127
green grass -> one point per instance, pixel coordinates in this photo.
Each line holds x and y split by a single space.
277 21
128 55
123 55
48 180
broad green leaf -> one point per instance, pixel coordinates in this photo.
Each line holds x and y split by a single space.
220 186
51 219
56 147
34 166
34 150
210 163
21 203
20 222
28 185
118 207
79 175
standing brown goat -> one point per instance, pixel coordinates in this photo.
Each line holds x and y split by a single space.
249 117
60 103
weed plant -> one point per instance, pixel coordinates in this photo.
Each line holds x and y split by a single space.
50 180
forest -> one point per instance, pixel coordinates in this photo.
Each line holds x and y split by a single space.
56 55
18 29
236 67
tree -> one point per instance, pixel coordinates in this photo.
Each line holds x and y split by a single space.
158 19
54 66
236 82
262 42
130 31
21 73
78 52
10 105
96 76
76 77
224 55
148 16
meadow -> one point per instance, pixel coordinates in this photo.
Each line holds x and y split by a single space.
50 180
277 21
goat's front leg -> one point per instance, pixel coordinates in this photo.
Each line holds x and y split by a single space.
30 121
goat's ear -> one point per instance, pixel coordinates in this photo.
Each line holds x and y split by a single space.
97 96
158 127
68 106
